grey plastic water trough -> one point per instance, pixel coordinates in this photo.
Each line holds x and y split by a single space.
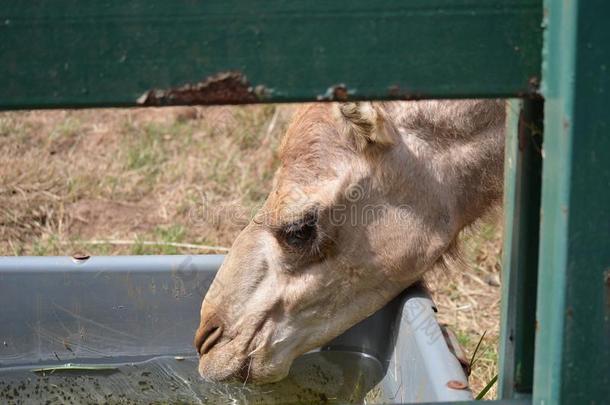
119 330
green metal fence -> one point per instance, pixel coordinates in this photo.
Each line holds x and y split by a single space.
552 55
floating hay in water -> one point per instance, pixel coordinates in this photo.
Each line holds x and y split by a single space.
77 368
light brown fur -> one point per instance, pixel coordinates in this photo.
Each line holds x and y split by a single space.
385 189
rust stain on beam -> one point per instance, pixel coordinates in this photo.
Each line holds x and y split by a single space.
222 88
337 92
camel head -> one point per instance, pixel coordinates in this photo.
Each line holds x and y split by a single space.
354 217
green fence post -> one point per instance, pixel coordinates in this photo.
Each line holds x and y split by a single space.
522 183
572 364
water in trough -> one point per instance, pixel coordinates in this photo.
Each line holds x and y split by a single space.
319 377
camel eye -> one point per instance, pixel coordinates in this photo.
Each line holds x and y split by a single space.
301 233
299 236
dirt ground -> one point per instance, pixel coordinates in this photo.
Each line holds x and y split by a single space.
186 180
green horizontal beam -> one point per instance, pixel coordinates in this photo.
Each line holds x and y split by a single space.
79 53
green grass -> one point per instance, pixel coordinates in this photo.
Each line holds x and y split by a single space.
7 126
69 127
249 128
487 387
173 233
12 126
45 245
144 147
161 234
464 338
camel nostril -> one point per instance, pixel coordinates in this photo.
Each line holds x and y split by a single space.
207 338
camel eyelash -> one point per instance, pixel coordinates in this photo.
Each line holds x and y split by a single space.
301 233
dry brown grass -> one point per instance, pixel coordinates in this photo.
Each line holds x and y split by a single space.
468 299
71 176
184 176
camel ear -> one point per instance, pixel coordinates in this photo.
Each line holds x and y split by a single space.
367 124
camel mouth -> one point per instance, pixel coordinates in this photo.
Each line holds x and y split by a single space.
243 372
227 358
208 340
